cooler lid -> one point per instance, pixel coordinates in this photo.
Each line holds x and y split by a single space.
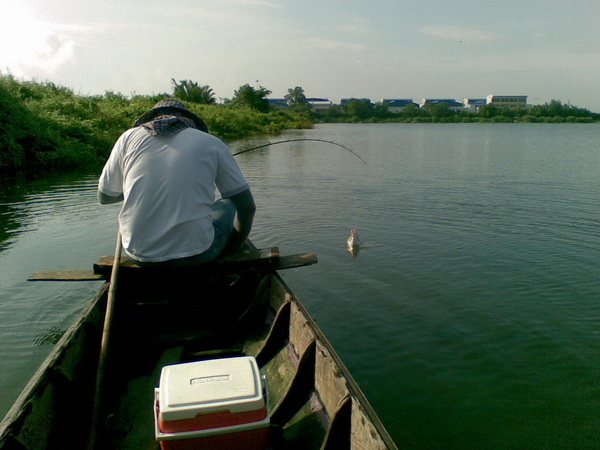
232 384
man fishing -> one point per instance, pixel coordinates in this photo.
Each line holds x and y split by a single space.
165 170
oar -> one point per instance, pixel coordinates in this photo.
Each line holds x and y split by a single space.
110 303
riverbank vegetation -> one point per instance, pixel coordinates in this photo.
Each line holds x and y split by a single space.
45 126
361 110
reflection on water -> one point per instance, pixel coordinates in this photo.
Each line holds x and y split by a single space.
50 336
471 316
24 204
48 223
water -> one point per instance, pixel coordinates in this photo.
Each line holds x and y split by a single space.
470 317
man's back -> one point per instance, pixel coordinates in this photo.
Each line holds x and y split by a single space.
168 184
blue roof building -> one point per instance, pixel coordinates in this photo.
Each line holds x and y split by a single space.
473 104
317 103
452 103
277 103
346 100
397 105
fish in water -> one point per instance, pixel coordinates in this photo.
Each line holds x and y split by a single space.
353 243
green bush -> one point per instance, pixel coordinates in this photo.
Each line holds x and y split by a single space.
47 126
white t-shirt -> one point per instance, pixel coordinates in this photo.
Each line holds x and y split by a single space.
168 184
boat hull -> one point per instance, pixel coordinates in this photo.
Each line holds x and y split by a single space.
313 401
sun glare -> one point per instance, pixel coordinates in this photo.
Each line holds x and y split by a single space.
29 43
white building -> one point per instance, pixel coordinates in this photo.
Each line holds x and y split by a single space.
510 101
319 104
473 104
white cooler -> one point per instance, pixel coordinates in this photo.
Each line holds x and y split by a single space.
216 404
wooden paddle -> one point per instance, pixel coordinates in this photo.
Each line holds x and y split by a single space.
110 303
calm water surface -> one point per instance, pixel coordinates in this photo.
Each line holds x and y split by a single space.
471 316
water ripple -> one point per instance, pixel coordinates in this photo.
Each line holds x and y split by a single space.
475 298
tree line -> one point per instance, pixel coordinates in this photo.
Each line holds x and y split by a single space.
360 110
363 110
43 125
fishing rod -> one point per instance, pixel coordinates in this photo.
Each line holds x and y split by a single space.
300 139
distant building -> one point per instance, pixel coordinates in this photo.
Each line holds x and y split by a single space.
277 103
473 104
346 100
319 104
397 105
509 101
452 104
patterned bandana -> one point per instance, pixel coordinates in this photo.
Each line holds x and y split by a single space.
168 124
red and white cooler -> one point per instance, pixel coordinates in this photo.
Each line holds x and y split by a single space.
216 404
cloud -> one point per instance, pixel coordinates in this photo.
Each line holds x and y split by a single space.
451 32
255 3
333 45
354 27
33 47
54 53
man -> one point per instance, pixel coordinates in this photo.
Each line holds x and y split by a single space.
165 170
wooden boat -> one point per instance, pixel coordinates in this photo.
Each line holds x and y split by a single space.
239 307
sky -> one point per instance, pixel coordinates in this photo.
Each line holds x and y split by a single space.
545 49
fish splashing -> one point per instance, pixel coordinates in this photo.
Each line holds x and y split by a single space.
353 243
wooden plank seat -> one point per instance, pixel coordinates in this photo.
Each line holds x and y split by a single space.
243 262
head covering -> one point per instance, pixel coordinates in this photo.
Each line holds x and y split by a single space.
174 107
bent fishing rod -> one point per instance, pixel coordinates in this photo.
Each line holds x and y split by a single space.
300 139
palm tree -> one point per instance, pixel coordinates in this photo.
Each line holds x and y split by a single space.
252 98
190 91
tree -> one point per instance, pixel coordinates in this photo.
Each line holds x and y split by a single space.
411 110
440 109
488 111
253 98
191 91
296 98
557 109
359 108
381 110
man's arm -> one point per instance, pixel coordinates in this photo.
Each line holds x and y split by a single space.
108 199
244 203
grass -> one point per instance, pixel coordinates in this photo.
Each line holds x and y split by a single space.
45 126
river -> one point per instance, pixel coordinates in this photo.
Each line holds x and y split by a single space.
471 315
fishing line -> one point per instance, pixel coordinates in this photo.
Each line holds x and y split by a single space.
300 139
